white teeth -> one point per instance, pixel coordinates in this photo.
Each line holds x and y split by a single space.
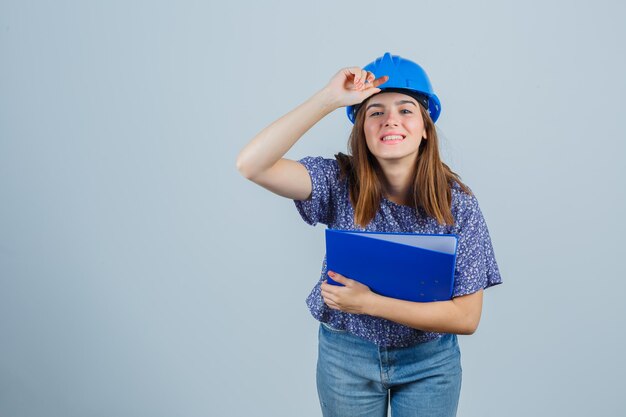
393 137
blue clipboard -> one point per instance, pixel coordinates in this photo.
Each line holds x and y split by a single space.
407 266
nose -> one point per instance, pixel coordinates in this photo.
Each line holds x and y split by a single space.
390 120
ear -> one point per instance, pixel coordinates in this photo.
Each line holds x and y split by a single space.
424 135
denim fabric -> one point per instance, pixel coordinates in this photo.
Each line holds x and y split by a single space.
357 378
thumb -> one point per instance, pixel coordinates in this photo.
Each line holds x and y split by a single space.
338 277
370 92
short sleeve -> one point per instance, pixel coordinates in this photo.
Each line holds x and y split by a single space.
476 266
324 180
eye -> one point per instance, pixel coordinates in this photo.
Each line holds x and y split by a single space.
406 110
375 113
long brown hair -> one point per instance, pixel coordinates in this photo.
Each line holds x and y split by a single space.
432 179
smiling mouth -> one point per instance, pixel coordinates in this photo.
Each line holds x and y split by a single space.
391 139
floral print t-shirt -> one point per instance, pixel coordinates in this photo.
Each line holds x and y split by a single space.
329 204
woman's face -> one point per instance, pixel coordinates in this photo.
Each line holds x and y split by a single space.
393 126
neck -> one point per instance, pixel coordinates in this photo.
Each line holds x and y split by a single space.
397 181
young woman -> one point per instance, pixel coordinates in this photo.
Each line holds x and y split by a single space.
376 351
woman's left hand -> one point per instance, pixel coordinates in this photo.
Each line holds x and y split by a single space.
353 297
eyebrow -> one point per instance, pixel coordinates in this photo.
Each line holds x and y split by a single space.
397 104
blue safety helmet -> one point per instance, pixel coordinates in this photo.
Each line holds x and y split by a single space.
404 77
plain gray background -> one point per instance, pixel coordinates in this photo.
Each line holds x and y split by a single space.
140 274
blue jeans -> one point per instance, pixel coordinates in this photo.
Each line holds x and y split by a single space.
356 378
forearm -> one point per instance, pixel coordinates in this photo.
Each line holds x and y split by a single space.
439 316
273 142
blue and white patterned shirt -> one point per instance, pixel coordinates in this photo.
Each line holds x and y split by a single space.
475 269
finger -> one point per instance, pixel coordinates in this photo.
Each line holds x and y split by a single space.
363 76
359 79
370 91
329 293
350 74
325 292
369 77
329 298
371 88
338 277
353 72
380 80
326 287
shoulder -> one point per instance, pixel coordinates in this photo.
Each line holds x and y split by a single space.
464 205
461 199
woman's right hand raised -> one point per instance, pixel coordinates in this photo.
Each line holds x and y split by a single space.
352 85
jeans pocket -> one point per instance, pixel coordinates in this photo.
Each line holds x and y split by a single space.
331 328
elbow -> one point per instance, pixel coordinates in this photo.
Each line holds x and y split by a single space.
468 331
470 326
467 313
242 168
